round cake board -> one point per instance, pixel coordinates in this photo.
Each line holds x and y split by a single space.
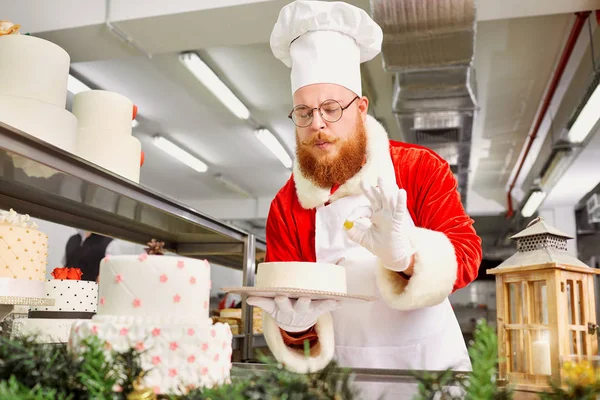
294 293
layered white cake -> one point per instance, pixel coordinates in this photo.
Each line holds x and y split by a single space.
104 135
160 304
23 256
302 275
33 88
74 300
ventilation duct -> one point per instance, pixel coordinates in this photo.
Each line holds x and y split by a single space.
429 45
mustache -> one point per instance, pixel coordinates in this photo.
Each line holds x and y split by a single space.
319 138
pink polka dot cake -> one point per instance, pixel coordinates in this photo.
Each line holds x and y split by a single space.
159 305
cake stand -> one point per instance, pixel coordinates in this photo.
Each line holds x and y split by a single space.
8 303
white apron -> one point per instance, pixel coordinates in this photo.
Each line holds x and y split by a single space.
373 335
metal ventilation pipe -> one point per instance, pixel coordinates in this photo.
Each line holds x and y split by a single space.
429 44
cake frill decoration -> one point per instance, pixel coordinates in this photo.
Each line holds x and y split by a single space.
13 218
155 248
67 273
8 28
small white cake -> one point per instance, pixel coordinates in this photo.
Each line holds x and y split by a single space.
302 275
74 300
160 304
23 256
33 89
104 135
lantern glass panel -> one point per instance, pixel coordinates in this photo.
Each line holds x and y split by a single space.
516 298
540 302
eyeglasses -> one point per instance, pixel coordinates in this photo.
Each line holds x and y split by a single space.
330 110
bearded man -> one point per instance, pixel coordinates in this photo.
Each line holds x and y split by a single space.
388 212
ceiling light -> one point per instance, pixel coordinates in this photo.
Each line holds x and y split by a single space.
75 86
271 143
533 202
209 79
180 154
134 123
587 118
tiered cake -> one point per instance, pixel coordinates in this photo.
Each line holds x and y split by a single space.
74 300
159 304
104 132
23 255
33 87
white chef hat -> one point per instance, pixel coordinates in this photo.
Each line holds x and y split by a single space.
325 42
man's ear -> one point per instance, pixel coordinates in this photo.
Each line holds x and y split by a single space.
363 107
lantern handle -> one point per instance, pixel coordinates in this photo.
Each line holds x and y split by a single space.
535 221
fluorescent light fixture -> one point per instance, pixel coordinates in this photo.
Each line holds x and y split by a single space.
209 79
533 202
180 154
587 118
557 165
232 186
271 143
75 86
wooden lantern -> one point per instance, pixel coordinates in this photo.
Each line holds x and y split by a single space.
546 309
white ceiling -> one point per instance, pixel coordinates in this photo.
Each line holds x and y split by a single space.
518 43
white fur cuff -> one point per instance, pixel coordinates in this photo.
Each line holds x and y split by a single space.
433 277
294 360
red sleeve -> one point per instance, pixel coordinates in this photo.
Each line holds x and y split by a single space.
290 229
290 237
434 203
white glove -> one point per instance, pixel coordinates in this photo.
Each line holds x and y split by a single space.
294 315
383 227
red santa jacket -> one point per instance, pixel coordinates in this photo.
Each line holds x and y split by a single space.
432 200
448 249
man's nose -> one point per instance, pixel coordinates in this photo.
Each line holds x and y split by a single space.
317 123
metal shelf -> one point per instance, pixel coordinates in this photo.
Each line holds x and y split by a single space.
83 195
49 183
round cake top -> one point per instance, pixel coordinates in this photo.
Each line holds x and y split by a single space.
302 275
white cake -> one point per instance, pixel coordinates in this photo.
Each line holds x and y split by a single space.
74 300
160 304
33 89
302 275
23 256
104 134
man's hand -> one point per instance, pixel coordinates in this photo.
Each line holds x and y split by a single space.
383 227
294 315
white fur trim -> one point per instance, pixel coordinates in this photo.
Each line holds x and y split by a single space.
294 360
433 277
379 163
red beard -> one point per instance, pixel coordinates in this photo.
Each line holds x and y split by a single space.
326 172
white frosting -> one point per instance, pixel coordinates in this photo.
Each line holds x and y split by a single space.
23 256
33 68
188 355
45 330
105 119
154 286
52 124
71 295
302 275
13 218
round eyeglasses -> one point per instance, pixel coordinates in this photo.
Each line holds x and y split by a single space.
330 110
